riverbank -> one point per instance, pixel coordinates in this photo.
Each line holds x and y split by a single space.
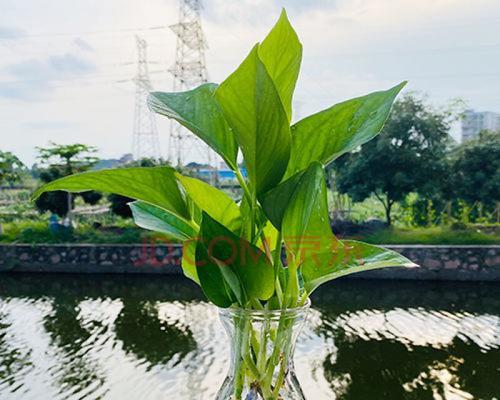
460 262
126 232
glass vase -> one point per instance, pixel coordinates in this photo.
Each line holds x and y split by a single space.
262 347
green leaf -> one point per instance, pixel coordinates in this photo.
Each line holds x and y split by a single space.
308 237
211 279
248 263
155 185
188 261
339 129
271 235
281 53
349 257
306 226
158 219
246 219
213 201
253 109
275 201
199 112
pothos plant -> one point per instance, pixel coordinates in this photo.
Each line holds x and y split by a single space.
233 250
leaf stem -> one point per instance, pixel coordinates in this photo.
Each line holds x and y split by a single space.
252 201
292 290
277 266
256 304
266 245
244 186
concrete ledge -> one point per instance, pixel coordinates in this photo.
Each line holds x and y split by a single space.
444 262
463 263
91 258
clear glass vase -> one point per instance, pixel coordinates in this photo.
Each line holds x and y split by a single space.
262 347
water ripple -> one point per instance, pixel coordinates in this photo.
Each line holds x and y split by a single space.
91 342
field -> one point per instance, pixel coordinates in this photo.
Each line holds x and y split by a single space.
22 224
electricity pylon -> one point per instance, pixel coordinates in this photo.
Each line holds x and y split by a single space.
146 143
189 71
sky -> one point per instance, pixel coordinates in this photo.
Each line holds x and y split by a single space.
67 67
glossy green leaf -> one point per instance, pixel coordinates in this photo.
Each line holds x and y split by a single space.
211 279
308 236
349 257
199 112
155 185
248 263
158 219
339 129
188 262
275 201
281 53
306 226
213 201
253 109
271 235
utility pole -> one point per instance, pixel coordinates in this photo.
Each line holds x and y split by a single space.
189 71
146 143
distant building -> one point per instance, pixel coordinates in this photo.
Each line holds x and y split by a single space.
220 174
113 163
475 122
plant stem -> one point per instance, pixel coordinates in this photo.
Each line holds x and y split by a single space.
239 368
277 266
292 290
256 304
252 222
245 350
279 379
266 246
252 201
244 186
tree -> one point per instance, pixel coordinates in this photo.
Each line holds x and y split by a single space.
10 168
60 161
475 167
73 157
408 156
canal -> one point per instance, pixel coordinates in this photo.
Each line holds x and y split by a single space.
154 337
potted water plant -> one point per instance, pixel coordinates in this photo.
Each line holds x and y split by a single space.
260 258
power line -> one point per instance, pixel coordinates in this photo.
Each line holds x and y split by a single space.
189 70
88 33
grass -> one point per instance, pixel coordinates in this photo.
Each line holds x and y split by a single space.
432 235
119 230
37 231
125 232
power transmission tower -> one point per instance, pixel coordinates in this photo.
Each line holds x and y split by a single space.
189 71
146 143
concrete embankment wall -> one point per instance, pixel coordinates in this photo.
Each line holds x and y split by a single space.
474 263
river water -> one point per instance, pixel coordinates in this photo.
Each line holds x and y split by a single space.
154 337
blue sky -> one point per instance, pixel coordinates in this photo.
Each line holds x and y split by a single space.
66 66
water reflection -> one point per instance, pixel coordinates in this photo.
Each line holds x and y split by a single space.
117 337
15 360
149 338
71 337
439 343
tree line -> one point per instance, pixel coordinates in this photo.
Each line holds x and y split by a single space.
416 154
